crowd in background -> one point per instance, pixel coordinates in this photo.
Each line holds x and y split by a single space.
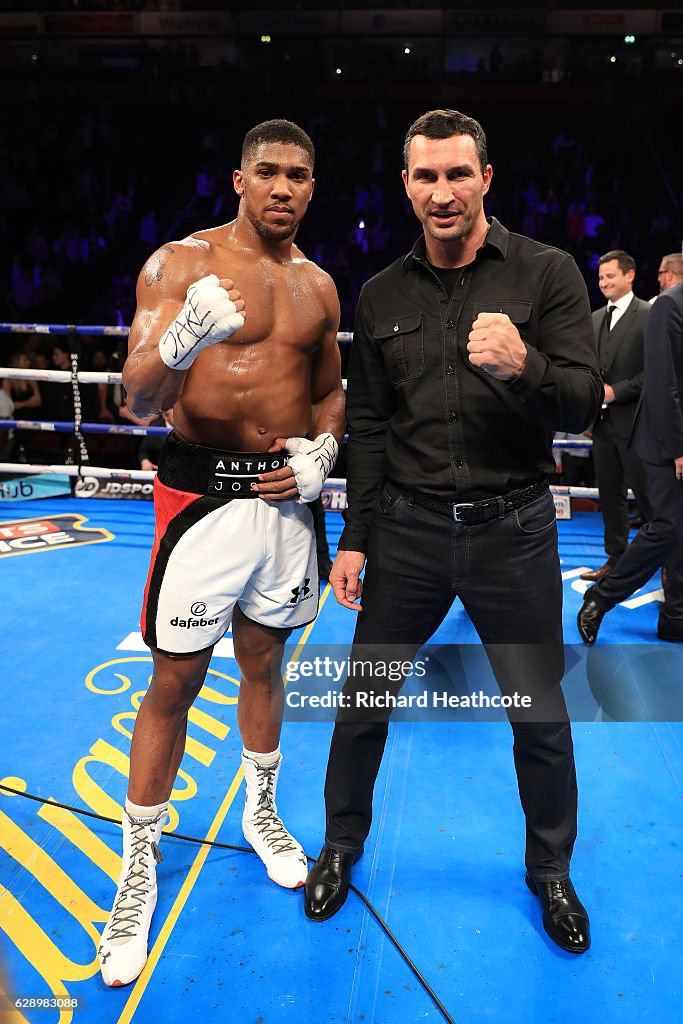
95 178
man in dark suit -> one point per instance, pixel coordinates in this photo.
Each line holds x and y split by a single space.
618 328
658 439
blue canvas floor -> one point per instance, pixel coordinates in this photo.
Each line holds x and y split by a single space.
444 863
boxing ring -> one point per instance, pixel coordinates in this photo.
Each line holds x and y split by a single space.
75 377
443 862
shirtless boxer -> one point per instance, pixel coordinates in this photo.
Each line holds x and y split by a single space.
237 331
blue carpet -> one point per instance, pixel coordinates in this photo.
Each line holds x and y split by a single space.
443 865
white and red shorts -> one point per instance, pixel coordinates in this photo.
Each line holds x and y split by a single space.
216 545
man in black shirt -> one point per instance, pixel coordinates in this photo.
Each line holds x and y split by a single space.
468 354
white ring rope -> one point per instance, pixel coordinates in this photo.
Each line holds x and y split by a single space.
61 376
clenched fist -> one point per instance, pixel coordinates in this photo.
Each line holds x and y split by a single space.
213 311
495 345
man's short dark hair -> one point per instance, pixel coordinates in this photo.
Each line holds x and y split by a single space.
278 130
444 124
624 259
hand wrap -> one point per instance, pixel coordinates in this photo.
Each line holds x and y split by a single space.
311 463
208 316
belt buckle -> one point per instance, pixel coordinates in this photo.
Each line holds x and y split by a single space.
459 505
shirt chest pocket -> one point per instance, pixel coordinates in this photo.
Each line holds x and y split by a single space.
518 310
401 340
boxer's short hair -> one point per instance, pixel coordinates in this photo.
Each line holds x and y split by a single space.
277 130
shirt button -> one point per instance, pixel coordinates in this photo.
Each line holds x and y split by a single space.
452 416
459 463
450 325
450 369
396 327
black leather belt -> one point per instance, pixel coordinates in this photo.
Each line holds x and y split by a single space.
481 511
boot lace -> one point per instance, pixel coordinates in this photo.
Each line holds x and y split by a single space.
134 890
266 821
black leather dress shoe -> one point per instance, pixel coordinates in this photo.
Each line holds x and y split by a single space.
327 885
595 575
589 618
564 916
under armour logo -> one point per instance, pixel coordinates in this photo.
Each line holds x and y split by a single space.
104 956
300 594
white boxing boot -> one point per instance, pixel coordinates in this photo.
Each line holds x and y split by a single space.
283 857
122 951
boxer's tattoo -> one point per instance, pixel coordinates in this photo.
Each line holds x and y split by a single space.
155 265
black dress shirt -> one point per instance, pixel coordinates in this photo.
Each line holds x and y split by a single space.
422 415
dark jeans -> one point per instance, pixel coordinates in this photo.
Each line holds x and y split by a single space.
507 574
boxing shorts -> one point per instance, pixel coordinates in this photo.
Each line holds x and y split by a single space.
216 544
